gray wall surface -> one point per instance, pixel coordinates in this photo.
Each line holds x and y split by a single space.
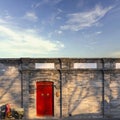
84 88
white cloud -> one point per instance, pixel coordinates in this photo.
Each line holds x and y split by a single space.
98 32
46 2
25 43
56 1
7 15
58 32
31 16
2 21
78 21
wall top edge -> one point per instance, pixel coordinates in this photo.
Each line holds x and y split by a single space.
67 58
62 58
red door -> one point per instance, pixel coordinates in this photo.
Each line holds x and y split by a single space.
44 100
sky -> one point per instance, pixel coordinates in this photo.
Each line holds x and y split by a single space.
59 28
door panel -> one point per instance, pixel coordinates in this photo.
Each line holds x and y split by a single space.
44 100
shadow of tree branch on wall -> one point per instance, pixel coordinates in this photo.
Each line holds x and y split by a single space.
112 94
10 85
84 96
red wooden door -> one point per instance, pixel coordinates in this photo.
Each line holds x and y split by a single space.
44 98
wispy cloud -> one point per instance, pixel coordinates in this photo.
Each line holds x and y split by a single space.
54 16
25 43
2 21
5 18
31 16
7 15
81 20
46 2
98 32
58 32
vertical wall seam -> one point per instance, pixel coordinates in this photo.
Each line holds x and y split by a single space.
21 83
60 87
103 90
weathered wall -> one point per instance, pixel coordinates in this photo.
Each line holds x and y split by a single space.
83 93
31 76
10 82
83 96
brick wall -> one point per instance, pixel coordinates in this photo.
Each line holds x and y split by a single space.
81 92
10 82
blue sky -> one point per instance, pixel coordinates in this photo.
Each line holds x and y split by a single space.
59 28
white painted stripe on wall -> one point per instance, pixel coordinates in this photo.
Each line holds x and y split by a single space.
85 65
117 65
44 65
